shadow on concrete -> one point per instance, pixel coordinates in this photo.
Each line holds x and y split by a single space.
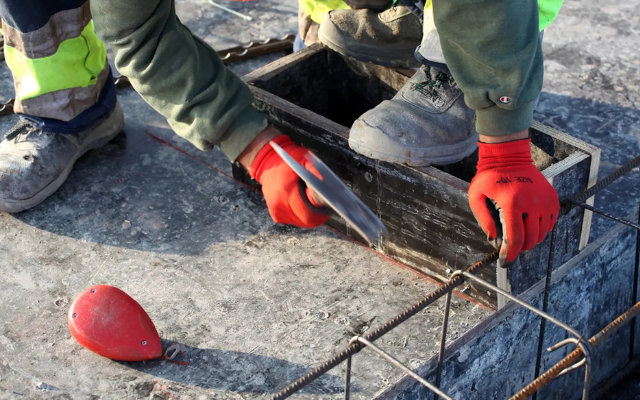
150 190
234 371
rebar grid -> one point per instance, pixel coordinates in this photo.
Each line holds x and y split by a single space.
579 357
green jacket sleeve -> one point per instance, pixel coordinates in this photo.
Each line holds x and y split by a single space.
178 74
493 50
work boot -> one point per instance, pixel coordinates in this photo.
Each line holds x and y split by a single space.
34 163
388 38
426 123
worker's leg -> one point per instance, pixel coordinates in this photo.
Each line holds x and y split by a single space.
178 74
64 95
430 52
427 122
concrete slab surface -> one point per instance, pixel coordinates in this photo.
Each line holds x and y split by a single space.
256 304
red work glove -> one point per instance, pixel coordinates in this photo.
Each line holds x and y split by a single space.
289 200
513 202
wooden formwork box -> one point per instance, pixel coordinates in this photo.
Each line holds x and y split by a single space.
315 95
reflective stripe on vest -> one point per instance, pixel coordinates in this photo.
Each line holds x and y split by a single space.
59 75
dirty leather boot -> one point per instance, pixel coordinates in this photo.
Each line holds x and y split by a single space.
35 163
426 123
388 38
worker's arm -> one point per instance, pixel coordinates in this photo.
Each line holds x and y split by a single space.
178 74
493 50
184 79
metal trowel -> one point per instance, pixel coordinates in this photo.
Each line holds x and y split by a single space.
336 195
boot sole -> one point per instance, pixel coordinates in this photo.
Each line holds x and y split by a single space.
366 53
101 136
415 157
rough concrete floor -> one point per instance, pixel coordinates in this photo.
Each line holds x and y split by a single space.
256 304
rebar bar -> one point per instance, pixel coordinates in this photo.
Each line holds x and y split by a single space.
603 213
545 302
347 379
615 175
443 343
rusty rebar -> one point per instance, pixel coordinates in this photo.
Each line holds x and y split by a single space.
615 175
545 301
575 355
443 343
347 379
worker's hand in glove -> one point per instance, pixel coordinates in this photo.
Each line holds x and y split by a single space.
513 202
288 199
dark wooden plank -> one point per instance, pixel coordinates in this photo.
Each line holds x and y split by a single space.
283 64
565 144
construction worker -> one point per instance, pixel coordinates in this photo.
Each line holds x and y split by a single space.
488 50
63 89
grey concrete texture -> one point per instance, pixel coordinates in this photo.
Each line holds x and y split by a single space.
256 304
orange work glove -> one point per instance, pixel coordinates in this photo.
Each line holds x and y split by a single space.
289 200
513 202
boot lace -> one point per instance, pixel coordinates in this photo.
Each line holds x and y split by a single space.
434 79
21 128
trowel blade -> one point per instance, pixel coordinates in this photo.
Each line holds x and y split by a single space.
337 195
